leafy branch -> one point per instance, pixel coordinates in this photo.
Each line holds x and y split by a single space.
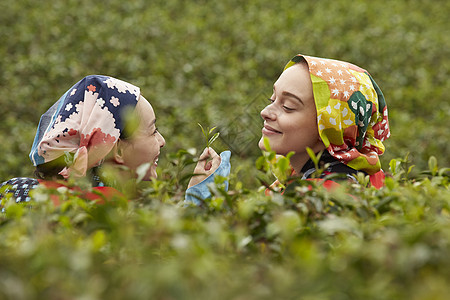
208 134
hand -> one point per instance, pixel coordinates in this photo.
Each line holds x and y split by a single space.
208 162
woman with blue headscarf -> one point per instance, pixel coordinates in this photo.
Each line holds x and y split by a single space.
101 120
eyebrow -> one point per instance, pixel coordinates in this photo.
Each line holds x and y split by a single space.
290 95
293 96
152 123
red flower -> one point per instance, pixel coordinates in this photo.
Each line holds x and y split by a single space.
91 88
72 132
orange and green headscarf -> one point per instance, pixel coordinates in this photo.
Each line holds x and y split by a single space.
352 114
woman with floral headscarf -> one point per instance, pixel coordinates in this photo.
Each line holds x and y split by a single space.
330 106
101 120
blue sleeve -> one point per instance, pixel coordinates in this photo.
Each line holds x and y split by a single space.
201 190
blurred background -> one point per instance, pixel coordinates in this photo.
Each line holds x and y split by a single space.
214 63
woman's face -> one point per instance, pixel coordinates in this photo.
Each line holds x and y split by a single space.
290 120
145 144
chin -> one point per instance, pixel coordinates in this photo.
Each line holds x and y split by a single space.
150 176
271 143
153 175
261 143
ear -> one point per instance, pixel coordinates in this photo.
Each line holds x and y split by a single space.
117 153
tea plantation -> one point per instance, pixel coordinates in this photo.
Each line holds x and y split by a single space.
214 63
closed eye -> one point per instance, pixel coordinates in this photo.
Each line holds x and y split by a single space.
288 108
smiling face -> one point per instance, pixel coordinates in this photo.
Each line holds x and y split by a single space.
290 120
145 144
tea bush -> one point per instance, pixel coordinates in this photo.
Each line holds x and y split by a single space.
214 63
355 242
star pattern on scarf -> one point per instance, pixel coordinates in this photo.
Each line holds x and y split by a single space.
336 75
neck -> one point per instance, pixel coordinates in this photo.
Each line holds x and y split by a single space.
113 174
298 161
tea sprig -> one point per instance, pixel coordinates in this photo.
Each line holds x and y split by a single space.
208 134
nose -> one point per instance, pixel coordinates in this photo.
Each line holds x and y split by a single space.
161 139
268 113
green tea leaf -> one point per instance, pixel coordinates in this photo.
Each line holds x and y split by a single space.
267 144
213 138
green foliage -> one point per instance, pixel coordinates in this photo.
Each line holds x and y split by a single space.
355 242
272 164
207 134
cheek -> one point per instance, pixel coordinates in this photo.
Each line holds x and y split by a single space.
294 125
144 150
302 130
151 147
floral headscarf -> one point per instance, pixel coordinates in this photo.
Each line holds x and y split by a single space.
86 121
351 112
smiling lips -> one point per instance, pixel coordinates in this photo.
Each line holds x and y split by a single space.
267 130
155 162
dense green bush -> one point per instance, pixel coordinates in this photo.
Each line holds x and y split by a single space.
309 243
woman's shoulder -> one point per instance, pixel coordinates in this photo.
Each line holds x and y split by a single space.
100 194
329 165
19 188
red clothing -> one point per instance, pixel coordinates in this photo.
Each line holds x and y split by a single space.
99 193
376 180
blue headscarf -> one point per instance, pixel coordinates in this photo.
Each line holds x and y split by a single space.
86 122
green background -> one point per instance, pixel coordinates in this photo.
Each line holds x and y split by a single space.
214 62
